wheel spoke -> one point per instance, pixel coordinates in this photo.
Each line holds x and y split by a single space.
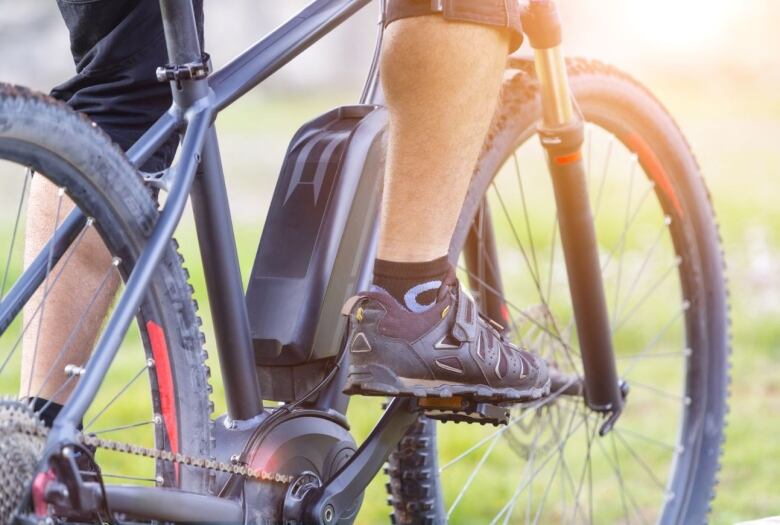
130 478
641 462
622 239
647 439
493 269
651 250
27 176
525 216
534 276
77 327
473 475
124 427
46 293
586 469
654 287
659 355
655 341
117 395
604 171
525 484
661 392
626 226
556 466
520 244
513 306
529 409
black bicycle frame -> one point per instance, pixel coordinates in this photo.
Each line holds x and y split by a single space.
198 174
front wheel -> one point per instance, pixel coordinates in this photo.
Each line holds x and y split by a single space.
663 274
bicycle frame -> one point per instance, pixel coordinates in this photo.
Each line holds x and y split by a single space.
198 174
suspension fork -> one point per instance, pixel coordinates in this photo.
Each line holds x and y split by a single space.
561 134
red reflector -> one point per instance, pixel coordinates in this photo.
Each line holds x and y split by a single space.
571 158
162 367
654 168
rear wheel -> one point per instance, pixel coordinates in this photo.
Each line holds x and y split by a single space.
156 392
664 281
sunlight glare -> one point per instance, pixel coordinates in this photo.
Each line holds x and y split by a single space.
680 24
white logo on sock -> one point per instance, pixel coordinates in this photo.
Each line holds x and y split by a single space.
410 297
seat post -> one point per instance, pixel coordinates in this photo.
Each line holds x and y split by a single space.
187 66
181 31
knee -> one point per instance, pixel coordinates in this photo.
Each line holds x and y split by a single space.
409 61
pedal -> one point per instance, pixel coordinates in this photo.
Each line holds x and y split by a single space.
462 410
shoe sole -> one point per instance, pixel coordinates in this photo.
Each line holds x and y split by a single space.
375 380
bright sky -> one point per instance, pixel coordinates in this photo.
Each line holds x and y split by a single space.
683 32
673 24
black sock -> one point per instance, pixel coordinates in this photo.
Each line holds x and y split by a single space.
413 284
50 409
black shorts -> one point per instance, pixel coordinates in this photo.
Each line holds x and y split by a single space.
498 13
117 46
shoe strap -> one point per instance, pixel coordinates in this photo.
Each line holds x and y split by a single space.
466 324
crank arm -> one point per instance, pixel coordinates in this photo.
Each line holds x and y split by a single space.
326 504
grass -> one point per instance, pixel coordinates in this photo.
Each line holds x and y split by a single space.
734 137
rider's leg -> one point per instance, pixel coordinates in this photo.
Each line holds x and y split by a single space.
441 79
116 47
61 339
417 334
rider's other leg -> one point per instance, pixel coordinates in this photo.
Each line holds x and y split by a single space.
116 47
61 329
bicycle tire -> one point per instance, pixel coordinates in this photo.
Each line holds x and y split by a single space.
620 104
72 152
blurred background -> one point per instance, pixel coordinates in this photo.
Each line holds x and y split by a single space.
714 63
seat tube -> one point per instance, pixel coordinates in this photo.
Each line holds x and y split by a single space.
223 282
561 134
212 220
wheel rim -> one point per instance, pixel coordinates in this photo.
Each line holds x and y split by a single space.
561 470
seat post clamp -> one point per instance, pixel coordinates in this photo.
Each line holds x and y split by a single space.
197 70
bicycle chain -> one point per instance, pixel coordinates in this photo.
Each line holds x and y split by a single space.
165 455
